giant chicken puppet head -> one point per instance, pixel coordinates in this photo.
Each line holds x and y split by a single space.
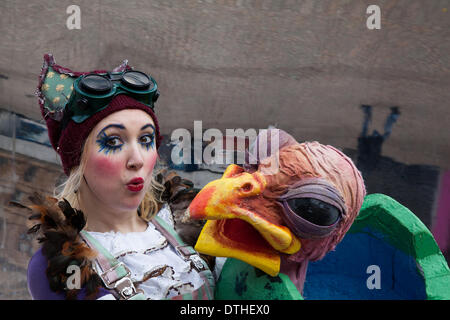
283 217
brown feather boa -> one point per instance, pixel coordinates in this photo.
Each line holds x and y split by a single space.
57 226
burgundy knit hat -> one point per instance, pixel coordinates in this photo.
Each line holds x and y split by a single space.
54 89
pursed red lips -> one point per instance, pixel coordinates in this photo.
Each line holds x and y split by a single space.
136 184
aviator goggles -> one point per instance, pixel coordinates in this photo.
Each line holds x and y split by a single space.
312 208
93 92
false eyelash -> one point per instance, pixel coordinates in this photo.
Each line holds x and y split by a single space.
102 141
150 144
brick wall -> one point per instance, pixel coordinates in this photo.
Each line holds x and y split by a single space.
20 176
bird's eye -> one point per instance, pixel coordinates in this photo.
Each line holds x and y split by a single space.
247 187
314 210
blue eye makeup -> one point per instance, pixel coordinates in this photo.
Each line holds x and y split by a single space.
109 144
147 140
112 143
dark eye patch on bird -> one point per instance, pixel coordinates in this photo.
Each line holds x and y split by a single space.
314 210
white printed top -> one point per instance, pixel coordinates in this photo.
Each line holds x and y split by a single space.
155 266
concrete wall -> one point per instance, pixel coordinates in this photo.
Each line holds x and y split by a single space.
304 65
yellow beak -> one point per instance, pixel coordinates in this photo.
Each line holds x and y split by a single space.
233 230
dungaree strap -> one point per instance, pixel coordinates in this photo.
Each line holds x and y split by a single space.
207 290
114 274
183 249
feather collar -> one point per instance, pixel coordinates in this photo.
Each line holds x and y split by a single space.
57 226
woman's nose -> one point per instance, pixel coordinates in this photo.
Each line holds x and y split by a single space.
135 159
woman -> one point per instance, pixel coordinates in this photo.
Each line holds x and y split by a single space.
103 237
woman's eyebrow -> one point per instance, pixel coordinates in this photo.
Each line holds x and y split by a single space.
122 127
114 125
148 125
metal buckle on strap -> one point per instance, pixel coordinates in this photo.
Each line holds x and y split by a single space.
191 256
104 274
125 287
179 250
197 262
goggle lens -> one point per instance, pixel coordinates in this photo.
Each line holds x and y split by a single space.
137 80
96 84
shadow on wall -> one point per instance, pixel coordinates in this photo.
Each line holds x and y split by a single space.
414 186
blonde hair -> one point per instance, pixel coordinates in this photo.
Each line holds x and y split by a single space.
148 208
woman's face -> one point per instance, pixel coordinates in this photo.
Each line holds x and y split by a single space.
120 159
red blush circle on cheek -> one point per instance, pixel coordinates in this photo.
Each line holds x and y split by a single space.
103 165
152 161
